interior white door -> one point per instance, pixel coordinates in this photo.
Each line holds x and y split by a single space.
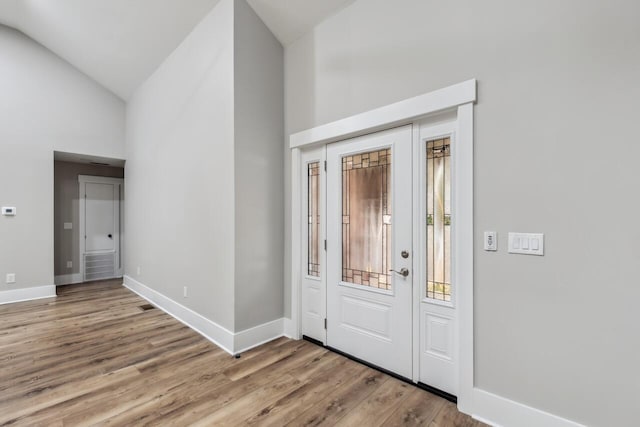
101 221
369 241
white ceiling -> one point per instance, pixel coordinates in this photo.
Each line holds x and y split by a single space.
290 19
119 43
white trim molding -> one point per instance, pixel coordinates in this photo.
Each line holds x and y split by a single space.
68 279
501 412
258 335
289 328
27 294
389 116
231 342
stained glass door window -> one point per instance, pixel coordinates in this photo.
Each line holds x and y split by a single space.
439 219
313 213
366 219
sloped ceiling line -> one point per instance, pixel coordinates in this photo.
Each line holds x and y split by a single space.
119 43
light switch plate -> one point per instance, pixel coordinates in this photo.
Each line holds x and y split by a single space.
526 243
490 241
69 264
11 278
68 226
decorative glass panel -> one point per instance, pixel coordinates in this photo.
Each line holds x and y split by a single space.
439 219
313 212
366 219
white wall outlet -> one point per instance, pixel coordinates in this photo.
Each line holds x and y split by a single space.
490 241
526 243
8 211
11 278
68 226
138 270
185 292
69 264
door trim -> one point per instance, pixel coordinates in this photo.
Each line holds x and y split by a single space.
389 116
459 98
89 179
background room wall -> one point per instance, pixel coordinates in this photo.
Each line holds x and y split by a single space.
555 153
46 105
66 191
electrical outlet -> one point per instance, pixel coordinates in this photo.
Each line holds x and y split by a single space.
138 270
185 292
69 264
11 278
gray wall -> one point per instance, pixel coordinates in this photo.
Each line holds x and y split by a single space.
66 192
556 152
204 172
179 173
259 202
46 105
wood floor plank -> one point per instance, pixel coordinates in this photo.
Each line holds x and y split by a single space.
93 356
342 400
294 404
418 409
379 405
449 416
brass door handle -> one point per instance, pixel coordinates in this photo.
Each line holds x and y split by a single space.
404 272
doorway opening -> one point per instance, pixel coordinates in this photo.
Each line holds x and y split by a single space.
88 218
325 306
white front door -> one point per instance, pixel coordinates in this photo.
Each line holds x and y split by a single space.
369 241
100 222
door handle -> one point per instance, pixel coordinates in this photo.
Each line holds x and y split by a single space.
404 272
110 236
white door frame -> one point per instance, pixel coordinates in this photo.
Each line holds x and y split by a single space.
459 98
85 179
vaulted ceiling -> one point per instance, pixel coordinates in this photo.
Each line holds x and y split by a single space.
119 43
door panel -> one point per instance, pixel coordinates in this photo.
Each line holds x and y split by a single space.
313 301
437 322
100 217
369 213
100 222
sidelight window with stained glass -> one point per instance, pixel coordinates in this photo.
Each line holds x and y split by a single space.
366 218
313 213
439 219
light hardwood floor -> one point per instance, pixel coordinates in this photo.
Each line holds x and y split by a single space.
93 356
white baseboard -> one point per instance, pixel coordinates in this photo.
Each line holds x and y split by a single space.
253 337
27 294
215 333
68 279
289 329
232 343
501 412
